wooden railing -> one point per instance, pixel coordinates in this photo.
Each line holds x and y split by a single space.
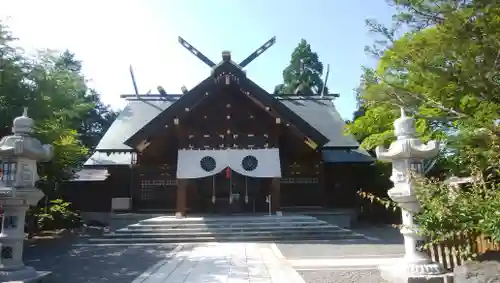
455 251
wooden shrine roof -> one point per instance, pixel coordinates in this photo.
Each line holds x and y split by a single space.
321 114
318 112
226 70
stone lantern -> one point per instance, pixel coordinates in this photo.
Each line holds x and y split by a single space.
19 154
407 154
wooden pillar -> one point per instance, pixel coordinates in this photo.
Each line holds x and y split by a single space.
323 185
180 209
276 196
276 182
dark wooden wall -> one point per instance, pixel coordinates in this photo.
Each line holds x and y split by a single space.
96 196
340 185
301 179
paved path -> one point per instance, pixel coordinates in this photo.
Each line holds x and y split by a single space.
73 263
223 262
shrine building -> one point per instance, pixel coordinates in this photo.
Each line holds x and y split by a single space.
226 146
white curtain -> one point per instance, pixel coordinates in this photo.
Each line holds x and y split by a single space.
265 163
189 163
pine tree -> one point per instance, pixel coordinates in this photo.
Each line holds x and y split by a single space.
303 75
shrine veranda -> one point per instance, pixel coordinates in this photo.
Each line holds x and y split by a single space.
226 146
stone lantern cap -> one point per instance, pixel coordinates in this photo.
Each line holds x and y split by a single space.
407 145
21 144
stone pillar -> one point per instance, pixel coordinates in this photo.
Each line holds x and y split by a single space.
18 156
12 245
407 154
276 196
180 209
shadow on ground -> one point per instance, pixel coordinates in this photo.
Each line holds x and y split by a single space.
126 264
93 264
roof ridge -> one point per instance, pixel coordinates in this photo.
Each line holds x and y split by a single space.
309 97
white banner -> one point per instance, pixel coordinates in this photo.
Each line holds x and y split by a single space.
262 163
194 164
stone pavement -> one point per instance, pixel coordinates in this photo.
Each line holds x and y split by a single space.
76 262
223 262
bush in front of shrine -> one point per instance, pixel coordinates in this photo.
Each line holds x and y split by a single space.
471 210
57 215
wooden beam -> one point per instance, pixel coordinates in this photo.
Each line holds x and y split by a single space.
291 126
143 145
181 201
276 195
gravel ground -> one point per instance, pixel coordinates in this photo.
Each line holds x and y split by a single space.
382 241
94 264
334 250
341 276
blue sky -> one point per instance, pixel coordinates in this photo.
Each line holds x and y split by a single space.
110 35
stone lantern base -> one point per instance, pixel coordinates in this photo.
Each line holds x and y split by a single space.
27 274
405 272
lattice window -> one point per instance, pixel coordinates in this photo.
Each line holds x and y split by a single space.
417 166
157 183
154 190
7 171
134 158
7 252
299 180
10 222
146 194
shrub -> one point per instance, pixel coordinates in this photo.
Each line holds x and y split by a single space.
57 216
473 209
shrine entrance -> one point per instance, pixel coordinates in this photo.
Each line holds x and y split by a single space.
230 181
229 192
232 193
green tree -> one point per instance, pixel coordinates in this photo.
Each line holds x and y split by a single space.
445 73
303 74
52 87
96 121
68 115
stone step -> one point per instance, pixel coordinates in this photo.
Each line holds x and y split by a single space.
338 232
232 219
224 225
162 229
227 238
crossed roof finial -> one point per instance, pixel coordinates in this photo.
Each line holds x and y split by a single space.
227 54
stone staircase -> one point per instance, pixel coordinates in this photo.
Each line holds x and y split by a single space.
168 229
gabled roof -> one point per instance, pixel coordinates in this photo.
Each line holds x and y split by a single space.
346 156
318 112
131 119
321 114
109 158
198 94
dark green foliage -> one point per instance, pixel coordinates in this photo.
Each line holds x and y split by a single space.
304 74
440 60
67 113
57 215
